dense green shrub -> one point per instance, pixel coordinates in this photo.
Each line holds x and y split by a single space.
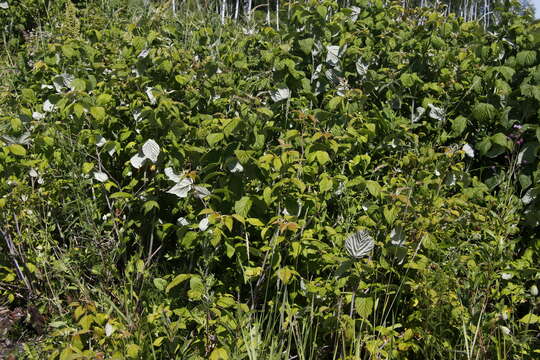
178 188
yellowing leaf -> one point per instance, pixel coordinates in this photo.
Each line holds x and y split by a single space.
213 139
97 112
158 341
530 319
219 354
373 187
242 206
17 149
285 275
325 184
132 351
177 281
364 306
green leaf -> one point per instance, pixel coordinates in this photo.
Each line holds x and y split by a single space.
390 214
17 149
121 195
363 306
322 157
177 281
306 45
530 319
373 187
78 85
159 283
408 80
285 274
87 167
149 205
506 71
334 103
213 139
78 109
501 139
103 99
255 222
219 354
231 125
242 206
459 125
97 112
132 351
526 57
484 146
196 286
484 112
266 112
325 184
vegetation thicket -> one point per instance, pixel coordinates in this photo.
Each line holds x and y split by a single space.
175 184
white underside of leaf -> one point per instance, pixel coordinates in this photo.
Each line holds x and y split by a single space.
201 192
203 224
151 150
171 175
137 160
280 94
101 176
38 116
235 167
48 106
468 150
151 96
182 188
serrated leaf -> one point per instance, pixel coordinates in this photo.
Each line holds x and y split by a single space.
182 188
213 139
484 112
373 187
78 85
97 112
306 45
364 306
284 274
87 167
530 319
459 125
280 94
121 195
332 55
177 281
219 354
526 57
501 139
242 206
132 351
137 160
149 205
325 184
322 157
101 176
151 150
17 149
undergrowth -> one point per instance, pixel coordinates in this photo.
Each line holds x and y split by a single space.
175 187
